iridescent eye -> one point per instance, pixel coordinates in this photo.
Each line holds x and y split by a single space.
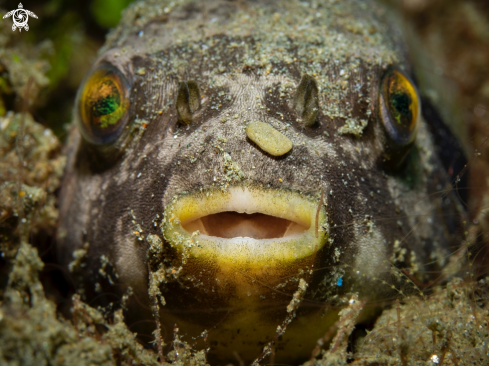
103 103
399 107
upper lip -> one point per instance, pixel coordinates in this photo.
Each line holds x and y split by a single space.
249 224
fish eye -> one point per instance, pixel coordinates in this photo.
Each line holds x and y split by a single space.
103 104
399 107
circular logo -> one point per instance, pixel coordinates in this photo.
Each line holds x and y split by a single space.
20 17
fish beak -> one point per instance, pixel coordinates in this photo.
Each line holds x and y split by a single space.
246 226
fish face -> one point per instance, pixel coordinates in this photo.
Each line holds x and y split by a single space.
240 164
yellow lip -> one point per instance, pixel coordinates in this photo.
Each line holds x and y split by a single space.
246 226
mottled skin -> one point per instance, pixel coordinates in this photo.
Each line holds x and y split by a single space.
248 59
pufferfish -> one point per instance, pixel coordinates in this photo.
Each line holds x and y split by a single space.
243 166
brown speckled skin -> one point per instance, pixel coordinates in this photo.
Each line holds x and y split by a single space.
144 169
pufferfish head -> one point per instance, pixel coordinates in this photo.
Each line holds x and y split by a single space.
252 167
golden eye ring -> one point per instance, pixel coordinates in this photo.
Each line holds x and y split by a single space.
103 105
400 106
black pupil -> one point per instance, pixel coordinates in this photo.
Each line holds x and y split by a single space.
401 102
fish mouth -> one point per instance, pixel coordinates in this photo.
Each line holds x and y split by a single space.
230 224
251 225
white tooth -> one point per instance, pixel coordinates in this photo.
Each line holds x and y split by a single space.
241 201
